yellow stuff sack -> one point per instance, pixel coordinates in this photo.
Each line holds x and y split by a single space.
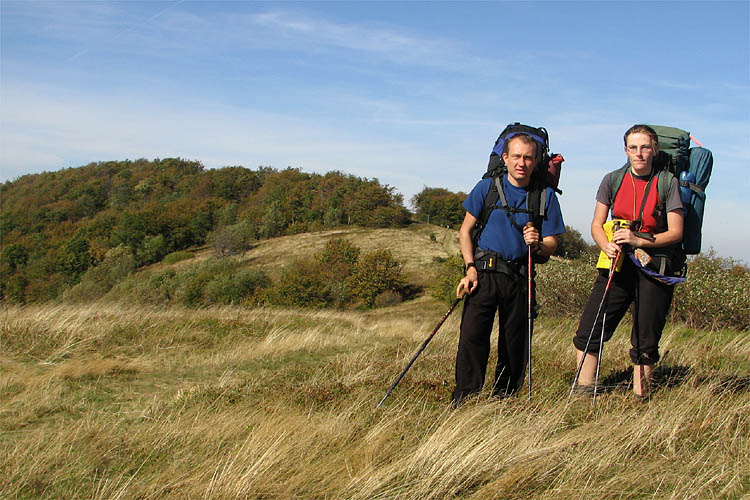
604 262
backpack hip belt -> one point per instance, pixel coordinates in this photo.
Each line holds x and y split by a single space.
489 261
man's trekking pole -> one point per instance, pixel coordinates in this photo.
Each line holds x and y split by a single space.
612 267
529 271
419 351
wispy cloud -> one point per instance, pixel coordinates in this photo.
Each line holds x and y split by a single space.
678 85
388 43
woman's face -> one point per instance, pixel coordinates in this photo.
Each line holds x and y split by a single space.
640 151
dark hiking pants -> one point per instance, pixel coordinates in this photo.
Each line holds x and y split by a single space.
497 293
628 285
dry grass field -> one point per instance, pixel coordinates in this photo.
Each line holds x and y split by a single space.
115 401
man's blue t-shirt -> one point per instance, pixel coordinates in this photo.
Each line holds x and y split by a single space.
500 235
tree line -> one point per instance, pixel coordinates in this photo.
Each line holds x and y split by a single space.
54 226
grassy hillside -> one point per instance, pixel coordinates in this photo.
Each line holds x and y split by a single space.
54 226
114 400
108 401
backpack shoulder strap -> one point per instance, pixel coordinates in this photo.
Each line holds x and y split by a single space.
664 185
615 181
494 193
536 202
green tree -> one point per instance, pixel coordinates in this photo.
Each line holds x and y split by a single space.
98 280
15 256
154 249
439 206
231 240
571 245
377 272
75 258
273 223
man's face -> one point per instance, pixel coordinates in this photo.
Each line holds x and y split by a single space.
640 151
520 160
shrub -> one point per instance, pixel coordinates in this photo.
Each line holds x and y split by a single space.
302 284
146 288
336 276
98 280
319 281
376 272
447 275
176 257
215 281
231 240
234 288
339 255
192 282
564 285
297 227
154 249
15 289
715 294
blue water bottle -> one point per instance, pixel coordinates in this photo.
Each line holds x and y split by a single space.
685 192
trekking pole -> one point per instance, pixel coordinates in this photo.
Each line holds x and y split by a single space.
419 351
612 267
599 359
531 316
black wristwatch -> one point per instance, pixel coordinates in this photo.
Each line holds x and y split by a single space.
467 266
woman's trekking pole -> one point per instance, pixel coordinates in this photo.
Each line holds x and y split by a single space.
612 267
419 351
599 359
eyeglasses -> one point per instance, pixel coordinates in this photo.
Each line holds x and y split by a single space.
636 149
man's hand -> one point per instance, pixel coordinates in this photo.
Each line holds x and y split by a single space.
531 236
468 283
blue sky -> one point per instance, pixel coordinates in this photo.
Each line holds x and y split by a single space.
411 93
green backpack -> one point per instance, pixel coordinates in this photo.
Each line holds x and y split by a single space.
692 167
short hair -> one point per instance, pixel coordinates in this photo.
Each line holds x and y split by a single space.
526 138
642 129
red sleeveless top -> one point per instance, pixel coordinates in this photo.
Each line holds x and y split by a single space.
629 198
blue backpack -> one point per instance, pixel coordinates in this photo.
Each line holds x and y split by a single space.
546 174
692 167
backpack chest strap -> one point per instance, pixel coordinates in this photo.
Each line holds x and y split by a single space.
509 210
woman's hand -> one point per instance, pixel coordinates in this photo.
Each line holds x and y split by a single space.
625 236
612 249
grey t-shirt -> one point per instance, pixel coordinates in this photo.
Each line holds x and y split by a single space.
674 202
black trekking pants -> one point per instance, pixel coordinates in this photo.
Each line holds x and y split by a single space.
508 295
652 301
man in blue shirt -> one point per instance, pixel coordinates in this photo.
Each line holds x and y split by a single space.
503 284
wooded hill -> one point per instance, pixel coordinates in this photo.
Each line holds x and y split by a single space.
55 225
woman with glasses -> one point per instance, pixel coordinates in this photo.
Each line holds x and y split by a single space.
643 230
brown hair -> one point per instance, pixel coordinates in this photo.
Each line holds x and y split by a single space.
525 138
643 129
